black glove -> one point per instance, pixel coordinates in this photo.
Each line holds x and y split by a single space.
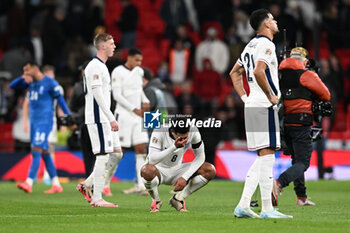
66 120
323 108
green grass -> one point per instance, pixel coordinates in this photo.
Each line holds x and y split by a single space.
210 210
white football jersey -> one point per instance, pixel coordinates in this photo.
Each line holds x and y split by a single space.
162 139
96 74
260 48
130 83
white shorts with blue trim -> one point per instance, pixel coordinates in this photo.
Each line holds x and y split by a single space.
262 128
131 132
103 139
170 174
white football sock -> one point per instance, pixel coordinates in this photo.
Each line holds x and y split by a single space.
140 161
152 187
266 181
99 178
193 185
55 181
29 181
89 181
251 182
46 175
111 167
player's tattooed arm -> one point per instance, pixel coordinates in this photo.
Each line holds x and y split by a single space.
237 81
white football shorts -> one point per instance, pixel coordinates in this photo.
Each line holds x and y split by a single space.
170 174
131 130
262 128
103 139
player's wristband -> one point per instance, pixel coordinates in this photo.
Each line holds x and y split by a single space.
244 97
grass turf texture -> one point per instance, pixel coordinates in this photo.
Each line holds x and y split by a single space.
210 210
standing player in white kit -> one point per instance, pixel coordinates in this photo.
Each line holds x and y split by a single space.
100 121
127 82
260 64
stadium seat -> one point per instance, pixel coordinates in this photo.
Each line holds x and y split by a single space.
344 57
6 139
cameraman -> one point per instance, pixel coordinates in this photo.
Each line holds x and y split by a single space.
299 88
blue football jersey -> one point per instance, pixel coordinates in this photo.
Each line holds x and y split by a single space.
41 98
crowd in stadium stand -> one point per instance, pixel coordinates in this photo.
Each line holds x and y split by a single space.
190 45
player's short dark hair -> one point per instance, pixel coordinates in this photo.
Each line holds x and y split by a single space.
134 51
148 74
257 17
31 63
179 125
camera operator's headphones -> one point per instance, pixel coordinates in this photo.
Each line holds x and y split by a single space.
299 51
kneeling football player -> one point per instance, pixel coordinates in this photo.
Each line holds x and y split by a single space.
164 164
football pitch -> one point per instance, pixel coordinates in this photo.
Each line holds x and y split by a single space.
209 210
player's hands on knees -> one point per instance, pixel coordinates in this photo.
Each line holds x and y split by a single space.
179 184
114 125
273 99
138 112
180 142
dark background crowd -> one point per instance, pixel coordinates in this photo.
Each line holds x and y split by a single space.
189 45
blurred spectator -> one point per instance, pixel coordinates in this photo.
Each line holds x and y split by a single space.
21 136
170 101
331 75
331 25
308 11
5 93
181 34
234 43
192 15
174 13
36 45
53 36
344 23
95 18
153 89
75 53
187 101
127 24
213 49
244 30
179 62
284 21
207 86
293 10
13 60
74 18
205 10
16 21
163 71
